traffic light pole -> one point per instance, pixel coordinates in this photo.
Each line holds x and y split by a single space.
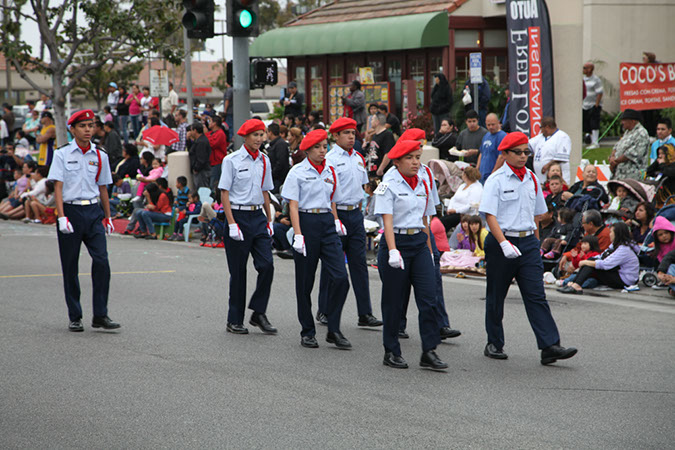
188 74
242 93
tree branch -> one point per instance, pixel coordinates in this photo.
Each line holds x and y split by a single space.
24 76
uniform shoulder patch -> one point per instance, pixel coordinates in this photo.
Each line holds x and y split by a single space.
62 146
102 148
381 188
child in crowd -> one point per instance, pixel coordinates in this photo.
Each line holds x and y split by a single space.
120 186
192 208
623 199
551 247
589 249
369 204
556 187
181 194
463 242
477 235
153 175
663 232
554 170
108 117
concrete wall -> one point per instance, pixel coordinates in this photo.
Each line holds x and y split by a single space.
618 31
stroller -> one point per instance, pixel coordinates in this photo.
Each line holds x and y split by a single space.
641 192
449 177
647 273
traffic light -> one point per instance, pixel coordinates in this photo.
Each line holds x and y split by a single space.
264 73
242 18
198 18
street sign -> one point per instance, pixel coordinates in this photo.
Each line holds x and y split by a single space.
159 83
476 68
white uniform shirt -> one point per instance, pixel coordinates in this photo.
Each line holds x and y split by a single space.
426 174
351 173
407 206
310 189
246 178
78 171
556 147
513 202
593 88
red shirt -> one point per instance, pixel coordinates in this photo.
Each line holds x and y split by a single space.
163 205
218 141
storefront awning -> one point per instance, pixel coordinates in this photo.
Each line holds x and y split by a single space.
373 35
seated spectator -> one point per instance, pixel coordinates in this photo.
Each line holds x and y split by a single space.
441 236
466 199
589 249
556 187
622 198
664 135
547 222
641 224
553 171
588 186
182 191
37 205
617 267
663 167
6 202
477 235
666 272
192 208
663 232
281 225
369 204
463 242
593 226
130 163
157 209
154 174
552 246
14 206
445 139
209 212
120 186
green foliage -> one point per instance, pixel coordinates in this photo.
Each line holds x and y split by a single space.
597 154
278 113
669 113
221 80
605 122
95 83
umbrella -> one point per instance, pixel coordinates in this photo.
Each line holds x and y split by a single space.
159 135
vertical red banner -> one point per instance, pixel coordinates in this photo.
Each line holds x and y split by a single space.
535 72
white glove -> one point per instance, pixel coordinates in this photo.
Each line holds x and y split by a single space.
510 250
235 232
64 225
299 244
341 230
270 229
396 260
109 227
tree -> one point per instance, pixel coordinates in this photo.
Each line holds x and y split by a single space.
82 36
221 81
95 82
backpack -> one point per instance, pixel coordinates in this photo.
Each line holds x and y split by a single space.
582 203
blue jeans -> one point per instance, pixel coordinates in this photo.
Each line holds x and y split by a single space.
114 201
135 125
229 120
671 271
124 128
590 283
146 218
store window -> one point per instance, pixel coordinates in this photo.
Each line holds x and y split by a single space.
353 69
316 74
416 70
335 73
495 68
378 69
494 38
394 76
467 39
435 64
300 78
461 68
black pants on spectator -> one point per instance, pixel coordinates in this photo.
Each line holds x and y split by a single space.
610 277
450 221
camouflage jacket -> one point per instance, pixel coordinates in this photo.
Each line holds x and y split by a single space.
634 145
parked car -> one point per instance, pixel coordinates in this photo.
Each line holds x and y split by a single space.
20 113
259 107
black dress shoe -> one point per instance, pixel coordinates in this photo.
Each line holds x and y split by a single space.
339 340
430 360
309 342
236 328
321 318
260 320
75 325
493 352
447 332
104 322
555 352
369 320
397 362
403 335
570 290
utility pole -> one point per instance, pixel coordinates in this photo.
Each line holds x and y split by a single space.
242 85
188 75
8 66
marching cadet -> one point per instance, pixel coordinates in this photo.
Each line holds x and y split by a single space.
416 134
81 174
405 254
310 189
511 199
352 175
245 182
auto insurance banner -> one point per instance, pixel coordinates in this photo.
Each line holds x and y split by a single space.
530 65
647 86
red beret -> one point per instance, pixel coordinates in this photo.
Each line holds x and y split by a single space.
513 140
312 138
402 148
343 123
250 126
85 114
413 134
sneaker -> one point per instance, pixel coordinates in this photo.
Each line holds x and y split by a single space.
631 288
550 255
660 286
592 146
559 282
37 221
26 220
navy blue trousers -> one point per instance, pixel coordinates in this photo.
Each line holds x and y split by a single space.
419 267
441 313
87 228
257 242
528 271
354 246
321 242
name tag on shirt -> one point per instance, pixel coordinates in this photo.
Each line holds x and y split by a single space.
72 162
508 192
243 170
341 164
310 178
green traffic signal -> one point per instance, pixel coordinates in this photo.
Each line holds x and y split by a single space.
245 18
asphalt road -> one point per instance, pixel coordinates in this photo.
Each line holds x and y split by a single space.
173 378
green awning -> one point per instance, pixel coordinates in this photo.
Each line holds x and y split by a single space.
373 35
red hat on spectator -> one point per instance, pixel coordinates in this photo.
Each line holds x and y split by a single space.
402 148
312 138
85 114
251 126
343 123
413 134
513 140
